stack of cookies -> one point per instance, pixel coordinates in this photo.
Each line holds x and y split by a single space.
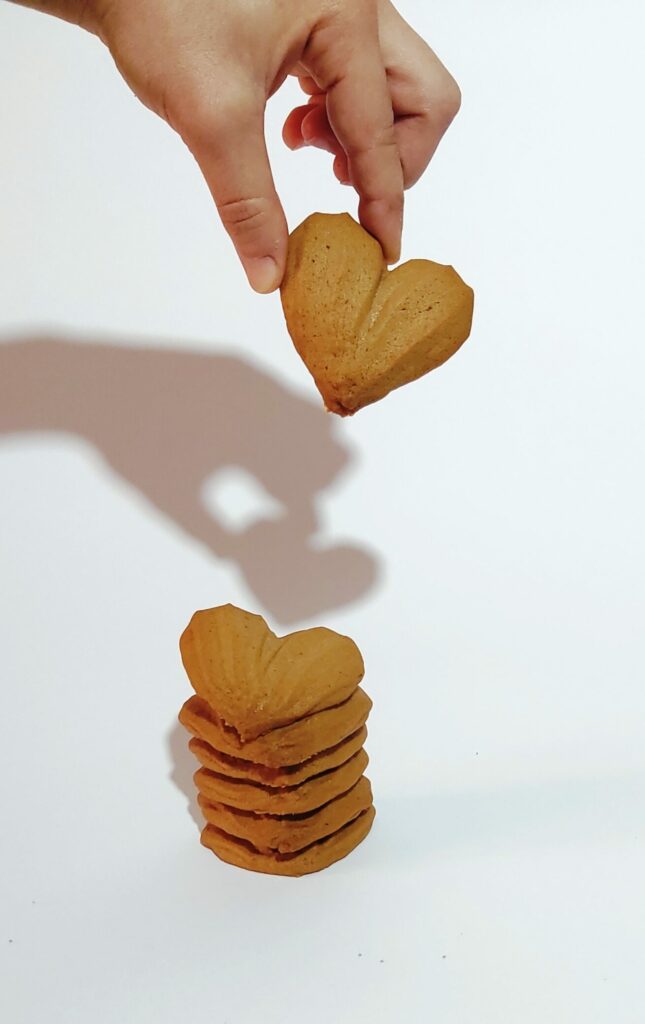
278 726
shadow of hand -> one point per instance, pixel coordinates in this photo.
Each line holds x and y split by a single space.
166 420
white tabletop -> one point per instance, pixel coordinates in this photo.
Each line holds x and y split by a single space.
480 534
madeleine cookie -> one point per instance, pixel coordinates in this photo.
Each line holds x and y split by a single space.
292 775
258 681
314 858
278 726
361 329
250 796
289 745
285 834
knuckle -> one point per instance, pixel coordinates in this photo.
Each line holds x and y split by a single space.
443 103
450 100
359 12
245 218
388 196
380 144
412 170
200 113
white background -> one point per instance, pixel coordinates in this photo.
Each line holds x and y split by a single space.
479 533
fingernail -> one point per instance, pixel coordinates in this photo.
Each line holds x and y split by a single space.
263 274
395 231
318 142
385 222
307 131
342 176
394 249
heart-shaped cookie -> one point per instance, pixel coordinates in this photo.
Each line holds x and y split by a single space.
361 329
257 681
301 862
290 745
287 835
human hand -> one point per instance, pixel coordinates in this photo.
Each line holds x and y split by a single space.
425 99
379 100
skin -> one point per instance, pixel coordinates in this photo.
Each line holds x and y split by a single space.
378 99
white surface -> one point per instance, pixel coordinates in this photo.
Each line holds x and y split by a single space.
497 507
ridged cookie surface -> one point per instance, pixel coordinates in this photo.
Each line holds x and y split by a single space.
256 681
360 329
313 858
289 745
250 796
292 775
270 833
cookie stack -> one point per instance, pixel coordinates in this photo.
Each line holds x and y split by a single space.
278 726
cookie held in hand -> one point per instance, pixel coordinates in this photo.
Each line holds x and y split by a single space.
363 330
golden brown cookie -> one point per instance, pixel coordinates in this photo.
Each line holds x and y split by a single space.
361 329
258 681
293 775
313 858
250 796
291 744
270 833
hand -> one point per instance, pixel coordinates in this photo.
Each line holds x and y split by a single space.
425 99
379 100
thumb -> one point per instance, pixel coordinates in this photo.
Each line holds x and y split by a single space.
231 152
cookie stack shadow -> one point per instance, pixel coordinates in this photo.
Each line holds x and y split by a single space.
291 799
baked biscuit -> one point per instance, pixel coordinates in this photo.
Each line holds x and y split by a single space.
258 681
285 834
292 775
291 744
250 796
361 329
312 858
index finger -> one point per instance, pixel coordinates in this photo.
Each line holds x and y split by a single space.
359 108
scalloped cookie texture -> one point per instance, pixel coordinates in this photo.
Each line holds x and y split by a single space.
291 744
279 727
361 329
258 681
